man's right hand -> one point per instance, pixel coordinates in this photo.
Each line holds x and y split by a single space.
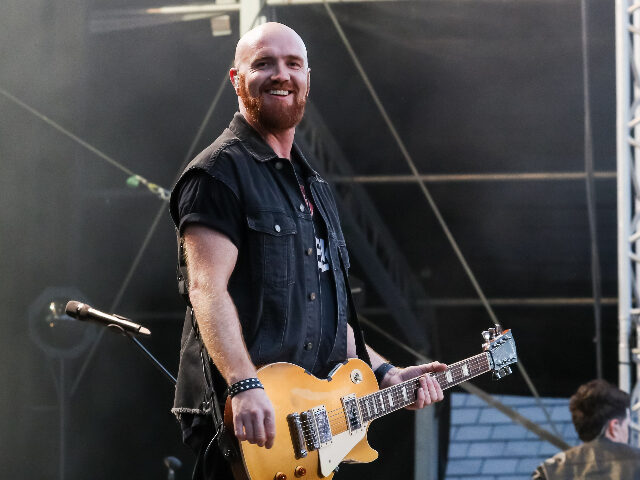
254 417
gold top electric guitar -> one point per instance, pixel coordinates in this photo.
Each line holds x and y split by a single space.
323 422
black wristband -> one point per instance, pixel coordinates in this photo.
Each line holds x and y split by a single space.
381 371
244 385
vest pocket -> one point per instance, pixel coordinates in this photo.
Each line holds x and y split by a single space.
271 241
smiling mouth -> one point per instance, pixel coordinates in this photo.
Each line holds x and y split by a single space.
280 93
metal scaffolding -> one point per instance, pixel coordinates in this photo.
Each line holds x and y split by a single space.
628 149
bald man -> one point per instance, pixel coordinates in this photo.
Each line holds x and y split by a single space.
266 259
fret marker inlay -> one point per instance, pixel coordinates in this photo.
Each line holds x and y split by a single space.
404 394
465 370
449 376
390 399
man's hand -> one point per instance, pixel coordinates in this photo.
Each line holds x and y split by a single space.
429 391
254 417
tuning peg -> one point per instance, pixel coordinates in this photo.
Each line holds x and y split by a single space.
507 371
496 375
485 336
498 329
492 332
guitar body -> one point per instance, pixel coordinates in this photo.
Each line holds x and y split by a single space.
292 389
321 423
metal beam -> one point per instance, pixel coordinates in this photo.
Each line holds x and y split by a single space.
625 130
530 302
471 177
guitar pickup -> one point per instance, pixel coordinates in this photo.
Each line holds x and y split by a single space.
316 428
352 412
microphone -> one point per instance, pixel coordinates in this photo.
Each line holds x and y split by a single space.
172 464
84 312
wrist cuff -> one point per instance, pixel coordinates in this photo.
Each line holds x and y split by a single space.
244 385
381 371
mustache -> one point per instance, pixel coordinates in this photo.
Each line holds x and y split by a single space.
282 86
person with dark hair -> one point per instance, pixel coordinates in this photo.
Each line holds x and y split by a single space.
600 414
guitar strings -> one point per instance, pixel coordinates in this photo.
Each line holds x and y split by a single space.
338 421
457 376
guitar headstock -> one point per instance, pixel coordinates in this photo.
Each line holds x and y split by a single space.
502 351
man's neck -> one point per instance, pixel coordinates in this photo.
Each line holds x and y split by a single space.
281 141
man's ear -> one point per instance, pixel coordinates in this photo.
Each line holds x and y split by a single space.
233 76
308 82
613 430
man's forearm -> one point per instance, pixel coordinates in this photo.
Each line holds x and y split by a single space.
220 328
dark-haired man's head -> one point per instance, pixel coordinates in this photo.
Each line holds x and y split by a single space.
599 408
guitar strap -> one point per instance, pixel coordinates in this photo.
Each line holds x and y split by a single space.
181 270
225 444
361 346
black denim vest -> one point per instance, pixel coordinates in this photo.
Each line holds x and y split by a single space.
275 284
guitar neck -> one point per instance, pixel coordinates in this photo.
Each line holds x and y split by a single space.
398 396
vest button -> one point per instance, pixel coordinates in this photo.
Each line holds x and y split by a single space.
312 296
309 251
301 207
308 346
276 227
278 165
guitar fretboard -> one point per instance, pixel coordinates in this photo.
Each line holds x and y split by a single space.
398 396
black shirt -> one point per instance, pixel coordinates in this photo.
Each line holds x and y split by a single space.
204 200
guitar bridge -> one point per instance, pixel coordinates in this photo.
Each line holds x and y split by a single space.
297 435
316 428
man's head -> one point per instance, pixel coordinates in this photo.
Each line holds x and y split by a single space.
599 407
271 77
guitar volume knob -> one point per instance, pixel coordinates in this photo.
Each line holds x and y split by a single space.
300 471
280 476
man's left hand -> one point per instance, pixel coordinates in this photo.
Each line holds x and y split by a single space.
429 391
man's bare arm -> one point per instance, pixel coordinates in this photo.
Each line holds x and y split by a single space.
211 258
429 391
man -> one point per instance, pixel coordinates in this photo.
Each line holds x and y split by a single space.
600 414
266 258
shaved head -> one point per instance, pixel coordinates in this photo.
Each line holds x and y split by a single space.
255 38
271 77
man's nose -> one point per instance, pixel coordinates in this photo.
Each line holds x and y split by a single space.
280 72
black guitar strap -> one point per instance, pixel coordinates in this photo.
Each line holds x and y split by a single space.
361 346
225 443
210 398
181 270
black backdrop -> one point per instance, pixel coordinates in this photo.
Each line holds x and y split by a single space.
473 87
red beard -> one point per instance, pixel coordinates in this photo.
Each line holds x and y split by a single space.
275 117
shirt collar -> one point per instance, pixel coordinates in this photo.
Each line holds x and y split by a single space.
251 139
256 145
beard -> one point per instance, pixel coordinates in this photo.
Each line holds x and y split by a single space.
273 117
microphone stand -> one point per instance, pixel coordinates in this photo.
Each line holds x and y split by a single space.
146 353
171 463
